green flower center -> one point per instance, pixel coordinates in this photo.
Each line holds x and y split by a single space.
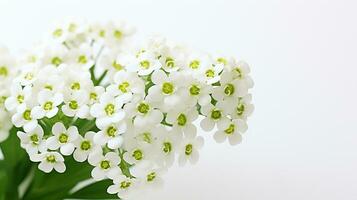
216 114
143 108
151 176
27 115
167 88
76 86
3 71
29 76
111 131
86 145
20 99
188 149
57 33
137 154
195 90
118 34
93 96
195 64
124 87
117 66
145 64
56 61
48 106
167 147
73 105
222 61
147 137
210 73
51 159
109 109
125 184
239 72
229 89
2 99
230 129
82 59
101 33
240 109
181 119
34 139
48 87
170 62
63 138
105 164
72 27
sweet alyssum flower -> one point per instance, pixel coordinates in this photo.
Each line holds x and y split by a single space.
130 112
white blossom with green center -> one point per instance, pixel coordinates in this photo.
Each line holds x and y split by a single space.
62 139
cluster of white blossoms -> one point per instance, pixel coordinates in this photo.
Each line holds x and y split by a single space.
130 112
8 70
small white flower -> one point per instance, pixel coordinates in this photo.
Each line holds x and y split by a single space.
24 118
62 138
32 141
82 56
231 130
50 161
167 145
144 112
213 114
110 135
94 94
49 103
123 186
189 149
18 96
108 110
145 63
166 89
197 92
182 121
85 146
105 166
76 105
150 175
242 108
127 84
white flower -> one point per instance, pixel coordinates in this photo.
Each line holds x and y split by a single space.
241 108
123 186
5 125
230 88
110 135
62 138
241 70
144 113
166 89
172 59
50 161
94 94
49 103
213 114
189 149
150 175
127 84
82 56
108 110
136 154
182 121
231 130
105 166
24 118
18 96
211 73
167 145
197 92
76 105
85 146
32 141
145 63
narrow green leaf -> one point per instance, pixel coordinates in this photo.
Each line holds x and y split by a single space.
96 190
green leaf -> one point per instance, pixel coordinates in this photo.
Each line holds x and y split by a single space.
12 150
54 186
3 184
97 190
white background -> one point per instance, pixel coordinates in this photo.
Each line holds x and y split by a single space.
302 141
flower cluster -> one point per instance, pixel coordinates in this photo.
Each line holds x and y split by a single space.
8 71
129 111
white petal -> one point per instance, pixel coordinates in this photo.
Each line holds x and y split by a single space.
45 167
79 155
67 149
98 174
60 167
207 124
58 128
